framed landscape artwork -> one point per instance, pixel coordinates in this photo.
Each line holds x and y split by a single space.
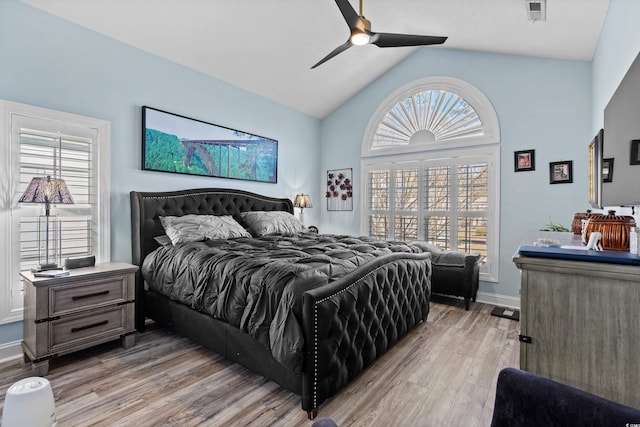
178 144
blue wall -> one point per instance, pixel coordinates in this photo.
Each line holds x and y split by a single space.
51 63
618 46
542 104
553 106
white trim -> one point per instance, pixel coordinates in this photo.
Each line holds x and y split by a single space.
10 111
499 300
10 351
478 100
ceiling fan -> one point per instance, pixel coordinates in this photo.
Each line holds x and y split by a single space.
361 34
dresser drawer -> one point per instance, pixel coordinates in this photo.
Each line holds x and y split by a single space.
71 298
73 331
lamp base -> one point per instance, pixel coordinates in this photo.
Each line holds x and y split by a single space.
48 242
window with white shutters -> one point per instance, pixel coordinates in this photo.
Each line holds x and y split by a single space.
44 143
446 191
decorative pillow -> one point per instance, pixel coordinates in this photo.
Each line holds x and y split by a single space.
427 247
262 223
163 240
193 228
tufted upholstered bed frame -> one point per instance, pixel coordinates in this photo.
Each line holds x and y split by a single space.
347 323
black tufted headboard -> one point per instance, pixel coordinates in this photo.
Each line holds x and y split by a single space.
146 208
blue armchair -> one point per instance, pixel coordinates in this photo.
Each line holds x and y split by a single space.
524 399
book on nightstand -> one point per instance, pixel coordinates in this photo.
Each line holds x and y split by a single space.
51 273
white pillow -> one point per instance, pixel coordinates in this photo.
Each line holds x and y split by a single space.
193 228
263 223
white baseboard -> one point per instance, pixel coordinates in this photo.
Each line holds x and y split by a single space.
10 351
499 300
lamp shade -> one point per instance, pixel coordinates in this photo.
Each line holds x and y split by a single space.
47 190
302 201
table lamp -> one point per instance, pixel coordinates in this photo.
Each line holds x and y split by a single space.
49 191
302 201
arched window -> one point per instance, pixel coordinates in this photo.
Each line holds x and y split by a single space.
430 161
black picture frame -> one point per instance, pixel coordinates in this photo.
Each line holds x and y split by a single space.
561 172
178 144
634 158
524 160
607 170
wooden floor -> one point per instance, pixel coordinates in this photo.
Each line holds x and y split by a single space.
442 374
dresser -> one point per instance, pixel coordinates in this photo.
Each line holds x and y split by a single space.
580 323
90 306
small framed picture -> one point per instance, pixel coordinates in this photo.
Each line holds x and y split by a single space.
524 160
635 152
607 170
561 172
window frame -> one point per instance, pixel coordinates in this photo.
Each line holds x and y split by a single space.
12 114
473 96
490 154
486 146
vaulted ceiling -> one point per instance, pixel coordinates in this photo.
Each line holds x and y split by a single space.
268 46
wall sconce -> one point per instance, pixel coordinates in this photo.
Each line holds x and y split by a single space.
49 191
302 201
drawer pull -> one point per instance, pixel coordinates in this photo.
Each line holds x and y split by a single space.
96 294
93 325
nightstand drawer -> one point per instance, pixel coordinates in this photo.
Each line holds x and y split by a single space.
71 298
73 331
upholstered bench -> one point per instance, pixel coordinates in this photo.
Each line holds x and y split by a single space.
453 273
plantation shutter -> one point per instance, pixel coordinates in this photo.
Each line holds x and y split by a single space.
456 209
443 201
378 185
437 203
406 193
472 206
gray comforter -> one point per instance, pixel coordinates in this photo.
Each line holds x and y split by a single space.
257 284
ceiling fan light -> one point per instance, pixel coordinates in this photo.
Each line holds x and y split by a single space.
359 38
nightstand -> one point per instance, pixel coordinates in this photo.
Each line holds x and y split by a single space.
90 306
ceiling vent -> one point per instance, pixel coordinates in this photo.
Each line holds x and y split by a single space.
536 10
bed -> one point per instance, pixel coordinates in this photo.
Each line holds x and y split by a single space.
344 318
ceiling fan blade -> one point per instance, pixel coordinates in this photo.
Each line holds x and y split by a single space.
348 13
397 40
333 53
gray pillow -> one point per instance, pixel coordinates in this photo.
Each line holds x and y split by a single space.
193 228
427 247
163 240
262 223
